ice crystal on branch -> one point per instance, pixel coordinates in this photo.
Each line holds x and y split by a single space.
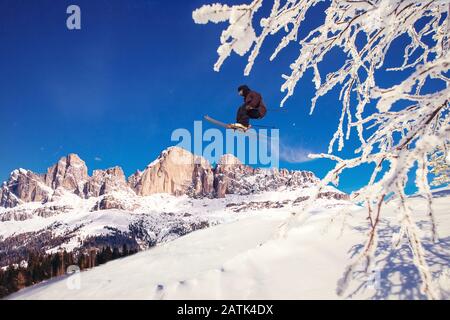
440 164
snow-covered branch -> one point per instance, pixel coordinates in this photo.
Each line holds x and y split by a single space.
394 140
440 165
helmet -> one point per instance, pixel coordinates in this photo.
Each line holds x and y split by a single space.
245 89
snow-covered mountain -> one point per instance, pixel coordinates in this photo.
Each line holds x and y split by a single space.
179 192
176 171
239 259
234 255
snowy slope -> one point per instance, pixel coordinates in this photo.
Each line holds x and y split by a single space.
227 261
141 221
66 209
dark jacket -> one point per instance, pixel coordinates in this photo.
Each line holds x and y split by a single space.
253 107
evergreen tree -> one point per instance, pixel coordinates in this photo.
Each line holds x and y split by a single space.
108 254
46 267
11 279
22 278
3 287
116 253
82 261
56 264
124 250
41 266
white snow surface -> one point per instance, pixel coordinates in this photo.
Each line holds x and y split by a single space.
79 212
240 259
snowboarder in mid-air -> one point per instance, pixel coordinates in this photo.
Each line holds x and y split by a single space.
253 108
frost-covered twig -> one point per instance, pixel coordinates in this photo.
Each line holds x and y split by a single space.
415 137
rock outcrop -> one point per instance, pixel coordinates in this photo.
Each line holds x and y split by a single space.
228 174
233 177
134 180
334 195
176 171
69 173
109 202
23 186
104 182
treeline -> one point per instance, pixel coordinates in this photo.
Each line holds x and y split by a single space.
40 267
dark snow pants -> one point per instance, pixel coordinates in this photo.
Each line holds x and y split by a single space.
243 115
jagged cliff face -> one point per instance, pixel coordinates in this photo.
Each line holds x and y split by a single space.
23 186
176 172
69 173
104 182
233 177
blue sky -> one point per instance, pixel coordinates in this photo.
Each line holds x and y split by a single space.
114 91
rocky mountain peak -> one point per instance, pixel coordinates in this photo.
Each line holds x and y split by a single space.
229 160
23 186
70 173
104 182
176 171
